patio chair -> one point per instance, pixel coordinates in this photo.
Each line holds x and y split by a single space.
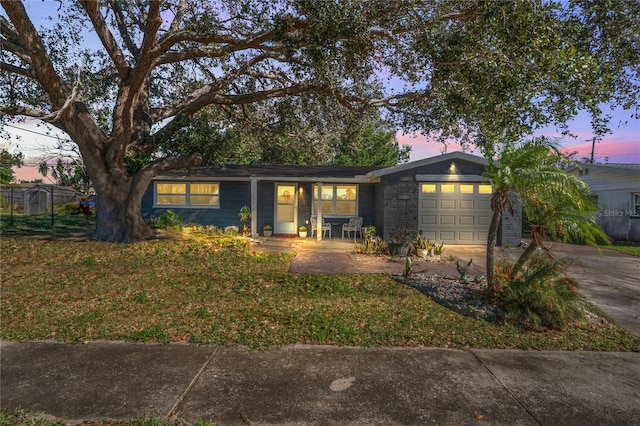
326 228
354 225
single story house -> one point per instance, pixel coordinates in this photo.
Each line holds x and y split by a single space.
446 197
617 187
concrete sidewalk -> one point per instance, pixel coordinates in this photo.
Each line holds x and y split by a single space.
321 385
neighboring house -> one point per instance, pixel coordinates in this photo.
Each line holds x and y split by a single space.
617 187
446 197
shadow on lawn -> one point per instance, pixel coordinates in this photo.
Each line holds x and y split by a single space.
42 226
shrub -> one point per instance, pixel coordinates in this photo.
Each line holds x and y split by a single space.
374 245
369 232
68 209
231 230
170 220
538 296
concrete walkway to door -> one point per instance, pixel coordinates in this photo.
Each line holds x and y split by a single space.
607 278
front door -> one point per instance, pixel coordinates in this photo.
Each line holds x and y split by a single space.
286 213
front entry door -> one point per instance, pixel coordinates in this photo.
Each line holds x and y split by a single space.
286 213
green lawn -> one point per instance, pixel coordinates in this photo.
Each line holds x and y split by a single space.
23 418
629 248
43 226
214 291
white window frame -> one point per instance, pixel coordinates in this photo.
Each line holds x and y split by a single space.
334 200
188 194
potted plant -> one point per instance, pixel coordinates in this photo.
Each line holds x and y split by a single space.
399 244
267 230
245 217
302 231
421 246
369 232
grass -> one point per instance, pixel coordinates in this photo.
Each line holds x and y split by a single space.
214 291
23 417
632 249
41 225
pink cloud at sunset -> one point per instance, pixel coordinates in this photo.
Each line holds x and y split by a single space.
607 151
423 147
621 147
28 173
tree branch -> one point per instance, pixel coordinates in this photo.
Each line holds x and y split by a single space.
65 108
16 50
122 28
144 175
178 18
230 45
17 110
92 8
232 76
8 32
15 70
151 31
206 96
41 65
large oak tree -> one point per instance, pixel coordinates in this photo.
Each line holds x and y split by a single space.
123 78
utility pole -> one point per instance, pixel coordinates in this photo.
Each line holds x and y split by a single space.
593 147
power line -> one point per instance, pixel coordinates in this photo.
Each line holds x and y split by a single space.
33 131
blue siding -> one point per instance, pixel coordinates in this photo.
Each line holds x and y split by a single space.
233 196
266 198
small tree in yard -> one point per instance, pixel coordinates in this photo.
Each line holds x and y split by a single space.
561 209
534 291
558 204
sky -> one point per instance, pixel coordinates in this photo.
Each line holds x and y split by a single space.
621 146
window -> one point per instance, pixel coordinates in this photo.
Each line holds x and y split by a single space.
337 200
447 188
466 188
171 194
485 189
636 204
428 188
204 194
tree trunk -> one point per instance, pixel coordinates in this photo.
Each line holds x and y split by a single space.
492 240
526 254
118 211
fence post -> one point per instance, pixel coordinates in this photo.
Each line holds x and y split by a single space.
52 204
11 206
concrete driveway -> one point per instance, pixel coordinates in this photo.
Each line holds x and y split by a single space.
611 280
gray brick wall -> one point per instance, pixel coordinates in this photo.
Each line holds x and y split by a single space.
400 204
510 231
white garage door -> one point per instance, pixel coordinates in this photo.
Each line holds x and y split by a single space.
455 213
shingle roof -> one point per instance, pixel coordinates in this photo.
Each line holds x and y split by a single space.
272 171
627 169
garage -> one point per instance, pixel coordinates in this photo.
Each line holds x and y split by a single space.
455 212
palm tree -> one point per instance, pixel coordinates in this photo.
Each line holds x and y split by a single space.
561 208
559 204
